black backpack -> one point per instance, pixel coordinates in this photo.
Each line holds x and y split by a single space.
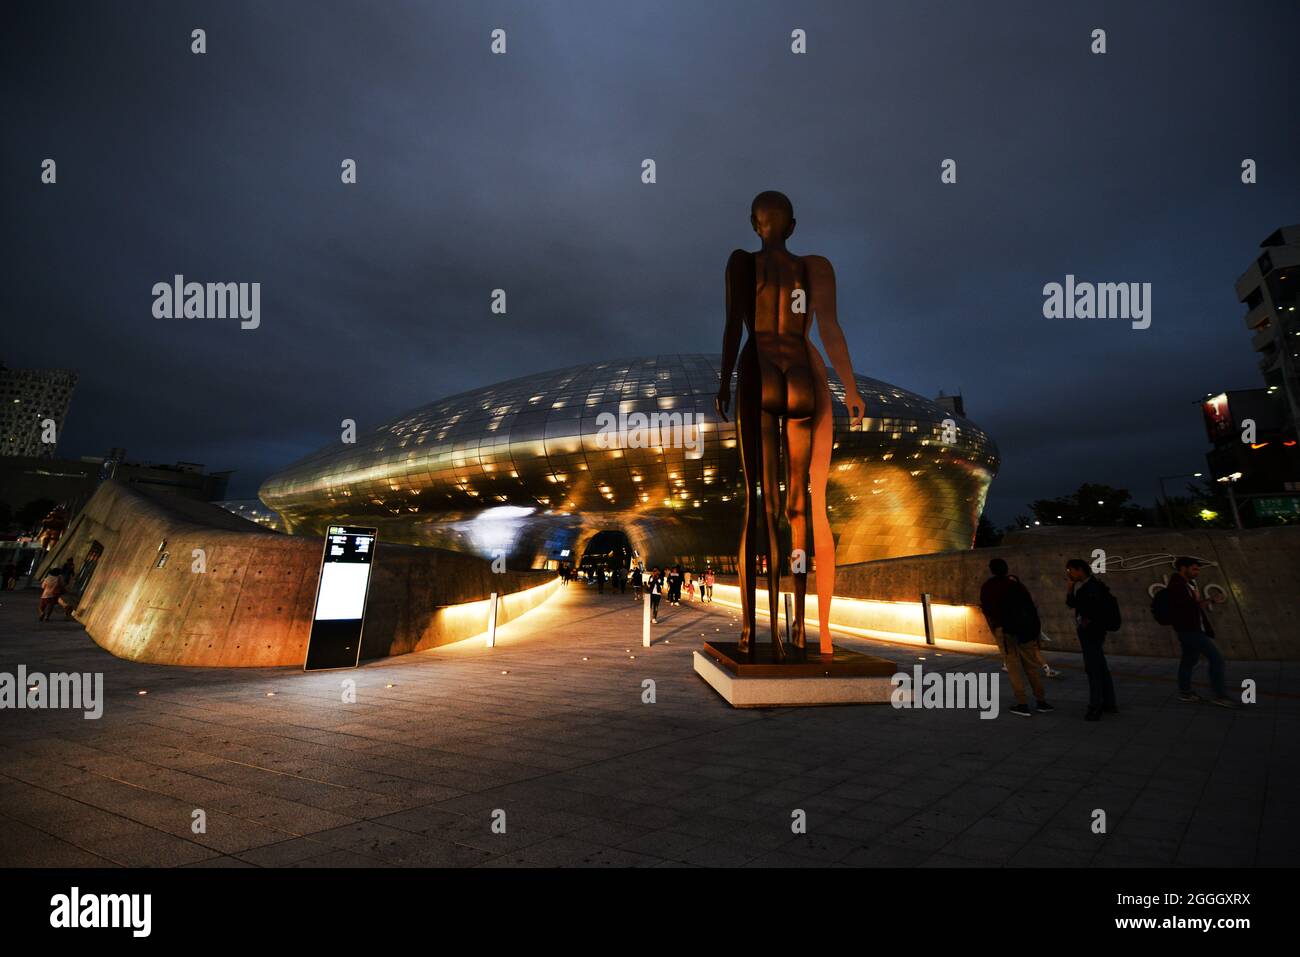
1022 619
1109 607
1160 609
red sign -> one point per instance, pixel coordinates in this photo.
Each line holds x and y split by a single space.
1218 419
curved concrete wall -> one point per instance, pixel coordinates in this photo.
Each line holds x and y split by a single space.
1258 571
252 607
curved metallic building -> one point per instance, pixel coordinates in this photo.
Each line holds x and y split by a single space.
531 469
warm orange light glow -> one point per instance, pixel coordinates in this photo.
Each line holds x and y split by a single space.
897 621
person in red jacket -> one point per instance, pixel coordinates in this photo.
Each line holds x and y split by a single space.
1188 610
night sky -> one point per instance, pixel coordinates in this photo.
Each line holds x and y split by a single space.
523 171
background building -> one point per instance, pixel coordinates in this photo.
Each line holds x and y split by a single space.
27 398
254 511
1268 290
70 483
520 469
1253 431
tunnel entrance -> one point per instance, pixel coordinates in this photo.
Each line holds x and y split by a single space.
609 549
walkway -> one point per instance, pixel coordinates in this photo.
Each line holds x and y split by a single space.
550 728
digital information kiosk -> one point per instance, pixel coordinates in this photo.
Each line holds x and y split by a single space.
340 614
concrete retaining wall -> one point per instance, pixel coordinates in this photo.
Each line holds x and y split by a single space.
252 607
1258 571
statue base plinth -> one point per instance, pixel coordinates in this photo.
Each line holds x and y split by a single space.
845 677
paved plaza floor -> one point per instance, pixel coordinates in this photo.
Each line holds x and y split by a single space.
549 734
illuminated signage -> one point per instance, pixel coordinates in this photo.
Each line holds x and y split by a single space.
1218 419
340 611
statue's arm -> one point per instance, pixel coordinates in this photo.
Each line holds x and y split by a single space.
738 267
821 279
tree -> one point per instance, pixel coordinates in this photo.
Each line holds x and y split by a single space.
1090 505
987 534
1205 505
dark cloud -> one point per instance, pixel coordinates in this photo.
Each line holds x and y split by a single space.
522 172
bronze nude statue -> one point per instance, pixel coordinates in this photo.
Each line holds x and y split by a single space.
783 412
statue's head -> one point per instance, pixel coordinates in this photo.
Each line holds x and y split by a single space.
772 215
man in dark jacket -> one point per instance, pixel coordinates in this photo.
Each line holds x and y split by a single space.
1088 598
1009 610
1191 622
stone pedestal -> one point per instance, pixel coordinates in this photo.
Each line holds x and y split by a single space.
845 677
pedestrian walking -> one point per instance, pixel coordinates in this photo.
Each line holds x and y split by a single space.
656 589
51 589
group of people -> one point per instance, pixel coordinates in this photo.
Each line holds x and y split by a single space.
55 591
659 583
671 583
1013 618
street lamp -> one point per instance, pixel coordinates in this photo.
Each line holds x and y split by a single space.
1169 512
1230 480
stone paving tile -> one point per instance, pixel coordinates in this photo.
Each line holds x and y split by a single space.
951 860
408 775
349 859
620 857
221 862
284 853
24 846
557 851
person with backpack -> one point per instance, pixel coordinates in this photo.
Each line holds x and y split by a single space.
1095 612
1181 606
1012 617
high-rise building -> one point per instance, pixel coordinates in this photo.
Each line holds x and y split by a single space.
33 408
1253 431
1268 290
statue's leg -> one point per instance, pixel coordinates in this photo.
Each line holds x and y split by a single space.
772 509
747 437
798 440
823 441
